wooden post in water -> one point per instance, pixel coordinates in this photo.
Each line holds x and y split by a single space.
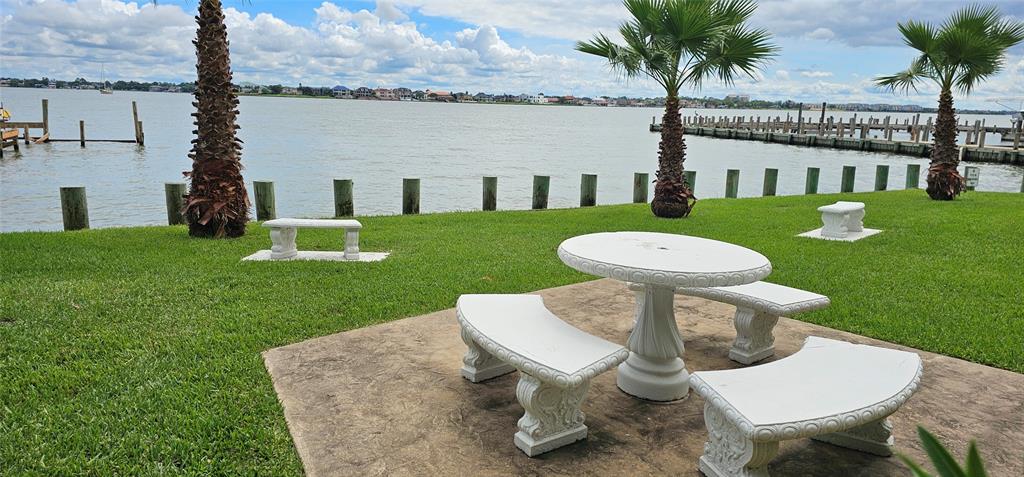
848 176
690 178
1016 135
541 184
490 193
640 184
800 118
28 138
811 184
771 180
81 133
74 208
732 183
977 129
981 134
142 135
265 206
46 117
135 120
344 205
881 177
913 175
822 120
174 196
588 190
410 196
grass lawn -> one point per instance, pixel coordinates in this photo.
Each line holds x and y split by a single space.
137 350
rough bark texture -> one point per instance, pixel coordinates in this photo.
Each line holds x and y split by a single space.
217 204
673 197
944 182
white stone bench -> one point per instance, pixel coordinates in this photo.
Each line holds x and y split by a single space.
831 391
841 218
758 308
283 232
556 363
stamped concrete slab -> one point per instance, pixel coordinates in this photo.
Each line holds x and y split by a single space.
264 256
389 400
850 236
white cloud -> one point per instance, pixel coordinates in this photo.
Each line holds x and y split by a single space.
816 74
821 34
782 74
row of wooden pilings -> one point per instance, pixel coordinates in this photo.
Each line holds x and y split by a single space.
76 214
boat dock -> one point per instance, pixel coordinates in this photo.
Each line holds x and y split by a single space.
855 134
13 131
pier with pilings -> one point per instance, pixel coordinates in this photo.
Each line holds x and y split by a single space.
38 132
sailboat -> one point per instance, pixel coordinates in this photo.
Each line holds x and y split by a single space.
103 81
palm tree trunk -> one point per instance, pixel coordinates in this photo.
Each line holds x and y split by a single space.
217 204
944 182
673 197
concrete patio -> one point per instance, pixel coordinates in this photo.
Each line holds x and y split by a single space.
389 400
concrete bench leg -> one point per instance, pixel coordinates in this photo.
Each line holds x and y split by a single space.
352 244
834 225
553 417
728 453
855 221
874 438
283 240
479 365
754 338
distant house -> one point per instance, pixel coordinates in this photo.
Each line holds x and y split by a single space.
403 94
539 98
442 96
419 95
483 97
363 92
289 90
384 94
553 100
602 101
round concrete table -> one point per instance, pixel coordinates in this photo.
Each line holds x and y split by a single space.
660 263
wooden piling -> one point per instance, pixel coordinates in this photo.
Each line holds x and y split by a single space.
846 185
771 180
344 205
690 178
135 121
46 117
265 206
174 196
811 183
74 208
28 138
410 196
142 135
732 183
541 185
981 135
81 133
913 175
881 177
490 193
641 180
588 190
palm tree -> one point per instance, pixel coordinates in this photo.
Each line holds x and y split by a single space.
967 48
678 43
217 204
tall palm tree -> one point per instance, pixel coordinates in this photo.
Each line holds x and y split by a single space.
967 48
681 43
217 204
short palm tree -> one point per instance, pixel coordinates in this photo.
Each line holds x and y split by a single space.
681 43
967 48
217 204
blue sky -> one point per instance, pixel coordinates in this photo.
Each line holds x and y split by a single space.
830 50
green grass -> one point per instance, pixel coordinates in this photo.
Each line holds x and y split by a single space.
137 350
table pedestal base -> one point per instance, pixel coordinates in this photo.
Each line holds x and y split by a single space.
661 380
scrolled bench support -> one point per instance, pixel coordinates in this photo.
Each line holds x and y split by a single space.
754 338
478 364
352 244
553 417
874 438
283 240
729 453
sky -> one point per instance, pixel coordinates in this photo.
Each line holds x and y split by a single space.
830 49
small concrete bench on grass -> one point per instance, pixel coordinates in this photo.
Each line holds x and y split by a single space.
831 391
758 308
555 360
283 232
842 221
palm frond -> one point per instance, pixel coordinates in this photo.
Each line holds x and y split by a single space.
739 51
906 80
918 35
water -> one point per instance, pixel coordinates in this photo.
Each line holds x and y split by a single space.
302 144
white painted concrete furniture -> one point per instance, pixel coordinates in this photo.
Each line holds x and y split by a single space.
758 308
841 218
284 230
660 263
555 360
831 391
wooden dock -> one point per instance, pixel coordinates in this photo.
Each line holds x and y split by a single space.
854 134
11 131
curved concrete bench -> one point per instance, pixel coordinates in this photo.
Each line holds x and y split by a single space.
556 363
758 308
832 391
284 230
841 218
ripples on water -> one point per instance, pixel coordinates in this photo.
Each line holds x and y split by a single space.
302 144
